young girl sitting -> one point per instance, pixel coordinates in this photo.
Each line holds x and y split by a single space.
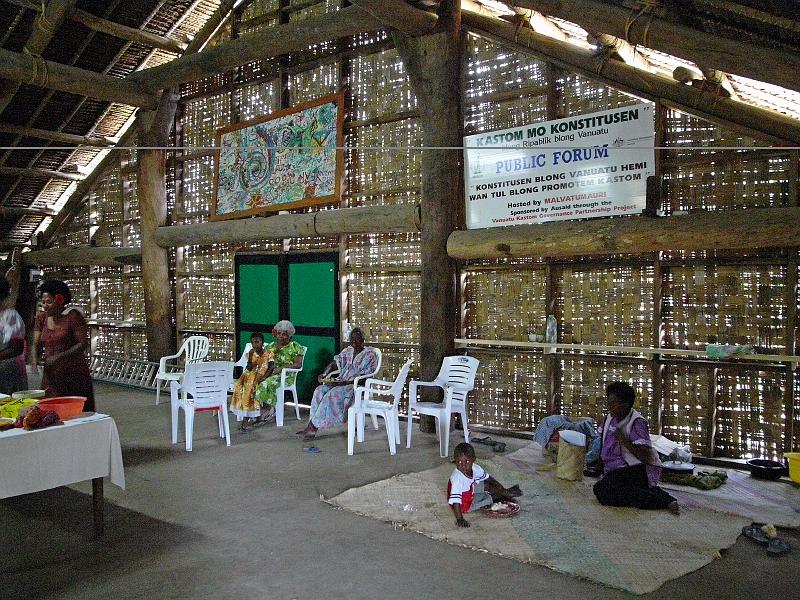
471 488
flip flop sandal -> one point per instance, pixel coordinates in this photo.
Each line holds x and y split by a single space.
499 447
243 429
777 546
312 450
482 440
754 533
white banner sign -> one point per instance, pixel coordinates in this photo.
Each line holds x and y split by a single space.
592 165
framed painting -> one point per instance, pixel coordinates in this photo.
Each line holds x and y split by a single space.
288 159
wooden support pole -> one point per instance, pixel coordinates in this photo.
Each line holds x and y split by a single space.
123 32
154 129
711 412
791 434
725 230
41 173
51 75
342 221
273 41
738 56
434 64
750 120
57 136
44 27
80 256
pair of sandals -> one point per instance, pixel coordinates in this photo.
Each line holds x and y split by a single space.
775 546
498 447
259 421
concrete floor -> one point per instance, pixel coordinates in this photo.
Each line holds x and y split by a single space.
247 522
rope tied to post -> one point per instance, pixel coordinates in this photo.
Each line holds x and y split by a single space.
40 76
647 7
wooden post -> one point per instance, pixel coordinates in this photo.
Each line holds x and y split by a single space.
154 129
791 434
433 63
711 412
654 201
552 361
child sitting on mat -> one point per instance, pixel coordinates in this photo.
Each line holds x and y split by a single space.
471 488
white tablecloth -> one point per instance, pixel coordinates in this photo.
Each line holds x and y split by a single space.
81 449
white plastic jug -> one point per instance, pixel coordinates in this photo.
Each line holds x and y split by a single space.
571 455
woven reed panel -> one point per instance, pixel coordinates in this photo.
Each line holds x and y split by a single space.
219 345
581 95
208 303
216 258
108 341
258 100
198 189
504 305
382 160
510 391
750 414
796 381
313 84
685 399
385 305
611 306
135 297
202 117
389 199
257 8
106 196
727 305
316 10
492 68
380 86
109 299
746 182
81 293
383 250
137 345
584 382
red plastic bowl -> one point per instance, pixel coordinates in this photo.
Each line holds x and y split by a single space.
65 406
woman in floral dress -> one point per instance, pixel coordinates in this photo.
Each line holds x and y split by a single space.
332 399
286 354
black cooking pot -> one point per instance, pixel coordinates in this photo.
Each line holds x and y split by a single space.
761 468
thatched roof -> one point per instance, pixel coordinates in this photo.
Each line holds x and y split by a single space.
37 174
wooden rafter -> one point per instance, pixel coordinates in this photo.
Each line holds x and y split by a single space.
23 211
57 136
41 173
51 75
640 27
123 32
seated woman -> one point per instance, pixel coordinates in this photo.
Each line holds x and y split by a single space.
259 367
631 465
287 354
12 345
332 399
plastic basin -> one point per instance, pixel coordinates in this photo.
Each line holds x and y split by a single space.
794 465
65 406
765 469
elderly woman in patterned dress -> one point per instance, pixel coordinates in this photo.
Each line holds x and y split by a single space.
332 399
287 354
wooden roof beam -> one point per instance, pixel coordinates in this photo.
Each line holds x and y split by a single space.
24 68
123 32
731 56
273 41
41 173
44 27
753 121
57 136
24 211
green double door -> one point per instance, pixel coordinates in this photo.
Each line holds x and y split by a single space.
303 288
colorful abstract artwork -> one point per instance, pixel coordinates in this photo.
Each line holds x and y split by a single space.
288 159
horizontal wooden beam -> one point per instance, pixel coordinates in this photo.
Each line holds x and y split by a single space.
57 136
123 32
24 211
343 221
81 256
400 15
738 56
51 75
41 173
722 230
273 41
751 120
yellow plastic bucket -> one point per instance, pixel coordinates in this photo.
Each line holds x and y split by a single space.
794 465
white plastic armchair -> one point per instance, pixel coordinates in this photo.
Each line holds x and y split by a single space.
457 379
368 402
204 387
194 349
284 387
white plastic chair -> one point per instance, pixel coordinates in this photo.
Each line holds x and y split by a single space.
204 388
367 402
283 388
457 379
194 349
242 362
